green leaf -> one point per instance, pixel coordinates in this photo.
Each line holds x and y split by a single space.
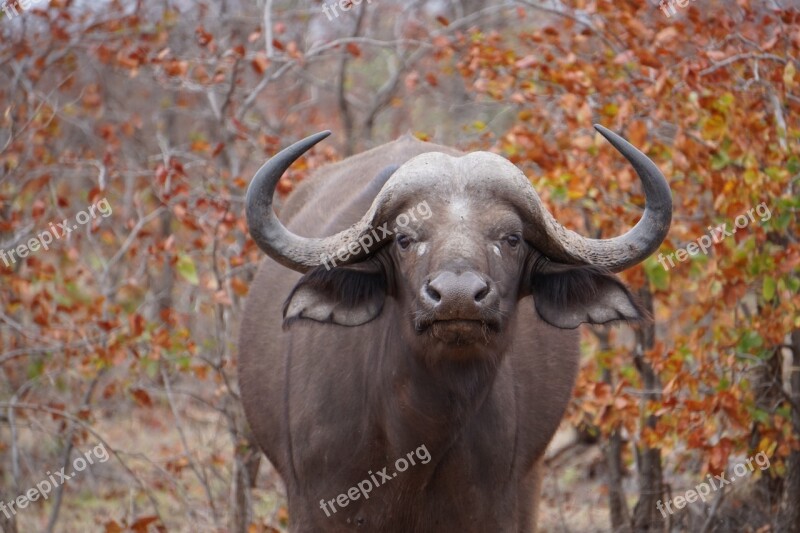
749 341
768 289
750 176
761 416
776 173
793 165
610 110
720 160
150 366
656 273
793 284
785 411
724 102
36 368
187 270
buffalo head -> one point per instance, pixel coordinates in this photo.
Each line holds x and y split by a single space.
457 242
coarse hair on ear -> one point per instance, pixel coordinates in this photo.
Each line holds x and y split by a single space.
567 296
348 295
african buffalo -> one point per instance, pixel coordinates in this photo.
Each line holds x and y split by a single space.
429 304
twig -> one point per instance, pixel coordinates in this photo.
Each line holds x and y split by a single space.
573 18
737 57
187 451
131 238
95 434
268 29
714 508
59 496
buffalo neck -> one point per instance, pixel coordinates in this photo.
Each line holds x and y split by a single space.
418 400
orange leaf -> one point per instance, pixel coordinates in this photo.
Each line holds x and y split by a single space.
260 63
113 527
142 398
354 50
140 526
239 287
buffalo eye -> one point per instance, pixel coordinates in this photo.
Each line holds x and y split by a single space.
513 240
403 241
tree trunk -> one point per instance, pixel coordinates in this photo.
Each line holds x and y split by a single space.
790 514
620 514
646 516
768 389
246 460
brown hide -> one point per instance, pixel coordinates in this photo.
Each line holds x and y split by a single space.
332 405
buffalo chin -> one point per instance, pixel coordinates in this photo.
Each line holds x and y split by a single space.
459 332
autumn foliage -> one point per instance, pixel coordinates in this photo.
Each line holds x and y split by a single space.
124 331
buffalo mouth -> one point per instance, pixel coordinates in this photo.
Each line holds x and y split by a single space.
459 331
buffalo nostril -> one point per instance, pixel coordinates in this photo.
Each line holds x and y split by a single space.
482 293
433 293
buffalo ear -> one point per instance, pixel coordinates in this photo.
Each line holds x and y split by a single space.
348 295
567 296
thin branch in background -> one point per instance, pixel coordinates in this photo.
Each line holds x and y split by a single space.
65 461
201 476
268 46
95 434
739 57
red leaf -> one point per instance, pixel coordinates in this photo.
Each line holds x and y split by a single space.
354 50
260 62
142 398
140 525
